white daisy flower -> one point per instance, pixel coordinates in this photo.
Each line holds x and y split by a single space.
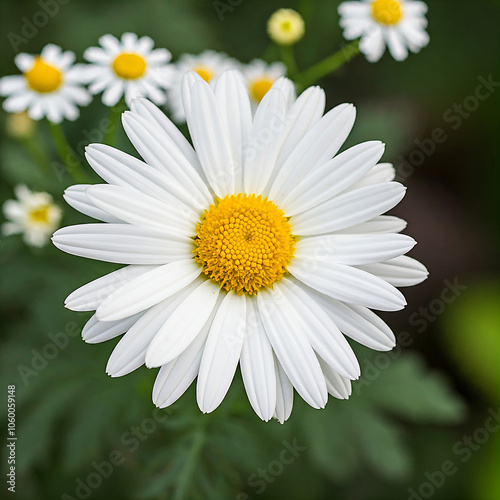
398 24
32 214
260 77
51 85
259 245
130 68
285 27
208 65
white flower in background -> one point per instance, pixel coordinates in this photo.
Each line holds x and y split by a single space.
398 24
128 67
208 65
51 85
260 77
285 27
259 245
32 214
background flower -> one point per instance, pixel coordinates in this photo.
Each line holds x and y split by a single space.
128 67
51 86
398 24
33 214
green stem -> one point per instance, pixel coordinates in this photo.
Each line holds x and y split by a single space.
288 57
113 122
328 65
38 155
186 474
67 154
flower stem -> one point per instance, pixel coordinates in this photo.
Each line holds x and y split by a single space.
38 155
186 474
288 57
328 65
67 154
113 121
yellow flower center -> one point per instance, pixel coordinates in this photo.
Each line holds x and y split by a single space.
286 26
43 77
259 88
387 11
204 72
40 215
244 243
129 66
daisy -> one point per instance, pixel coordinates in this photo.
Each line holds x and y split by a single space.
51 86
285 27
399 24
260 77
32 214
258 246
208 65
128 67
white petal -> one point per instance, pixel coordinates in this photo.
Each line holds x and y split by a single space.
284 394
234 106
356 249
12 84
148 289
121 244
18 102
348 209
133 207
381 224
372 44
401 271
285 330
130 353
24 61
75 196
302 115
222 352
339 387
357 322
332 177
257 365
96 331
112 94
264 142
183 325
323 334
178 149
348 284
121 169
89 296
210 140
320 144
396 44
383 172
176 376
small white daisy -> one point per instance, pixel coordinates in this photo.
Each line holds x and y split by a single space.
285 27
208 65
259 245
130 68
260 77
398 24
32 214
51 85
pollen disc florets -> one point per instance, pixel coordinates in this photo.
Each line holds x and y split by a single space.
244 243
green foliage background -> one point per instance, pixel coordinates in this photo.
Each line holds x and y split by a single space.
411 407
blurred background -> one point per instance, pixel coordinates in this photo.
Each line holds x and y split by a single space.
423 420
